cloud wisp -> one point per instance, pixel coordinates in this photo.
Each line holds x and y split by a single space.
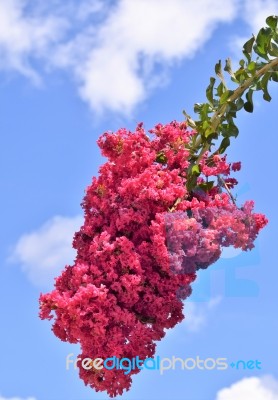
25 36
198 313
255 388
16 398
43 253
111 50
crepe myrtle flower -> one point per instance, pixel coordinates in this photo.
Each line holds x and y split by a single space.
143 238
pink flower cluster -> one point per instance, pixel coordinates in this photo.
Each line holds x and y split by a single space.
136 259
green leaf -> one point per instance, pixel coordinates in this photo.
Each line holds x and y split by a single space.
262 42
225 96
252 67
205 109
224 144
224 130
228 68
209 91
218 71
161 158
247 49
205 186
272 22
273 49
248 105
267 96
241 75
197 107
210 135
233 130
206 125
209 132
189 120
274 76
264 83
231 110
199 126
195 169
218 68
220 89
239 104
191 182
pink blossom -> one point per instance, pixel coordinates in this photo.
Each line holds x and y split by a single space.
136 259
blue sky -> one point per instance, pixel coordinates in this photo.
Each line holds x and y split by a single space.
70 71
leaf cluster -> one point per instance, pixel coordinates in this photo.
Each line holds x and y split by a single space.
216 117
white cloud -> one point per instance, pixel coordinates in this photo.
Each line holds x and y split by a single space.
23 37
110 49
118 72
197 313
16 398
230 252
44 253
265 388
256 12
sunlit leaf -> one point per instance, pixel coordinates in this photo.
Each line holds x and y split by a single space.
272 22
209 91
247 49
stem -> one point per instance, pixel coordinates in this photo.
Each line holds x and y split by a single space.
215 121
175 204
216 118
223 183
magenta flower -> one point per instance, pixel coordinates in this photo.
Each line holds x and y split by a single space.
143 238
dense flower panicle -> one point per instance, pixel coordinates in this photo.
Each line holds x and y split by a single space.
143 239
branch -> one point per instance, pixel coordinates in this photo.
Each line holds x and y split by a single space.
216 117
